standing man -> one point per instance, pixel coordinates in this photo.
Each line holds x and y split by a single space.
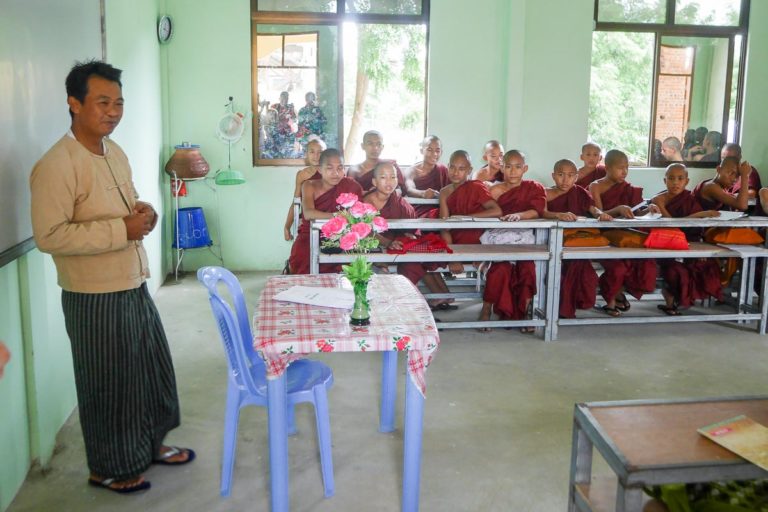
85 213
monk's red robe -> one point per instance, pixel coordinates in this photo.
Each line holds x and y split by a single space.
366 180
754 184
635 276
694 278
398 208
468 199
578 280
298 263
598 173
706 204
436 179
511 286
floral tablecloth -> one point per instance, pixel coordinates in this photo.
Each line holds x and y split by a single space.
400 321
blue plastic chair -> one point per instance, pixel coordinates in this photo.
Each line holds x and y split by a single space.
307 381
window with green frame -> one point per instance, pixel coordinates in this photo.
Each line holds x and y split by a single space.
335 69
667 78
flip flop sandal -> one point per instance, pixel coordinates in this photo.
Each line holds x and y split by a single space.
172 452
614 312
107 484
622 304
669 310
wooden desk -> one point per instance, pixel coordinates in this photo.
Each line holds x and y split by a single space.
653 442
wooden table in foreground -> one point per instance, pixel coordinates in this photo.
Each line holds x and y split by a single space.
652 442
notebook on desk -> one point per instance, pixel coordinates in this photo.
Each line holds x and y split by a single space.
741 435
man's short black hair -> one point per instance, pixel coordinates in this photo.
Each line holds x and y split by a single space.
77 79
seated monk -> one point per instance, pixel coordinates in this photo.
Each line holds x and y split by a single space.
614 195
591 155
510 286
713 194
425 179
567 201
373 144
392 206
310 172
694 278
464 197
493 154
318 201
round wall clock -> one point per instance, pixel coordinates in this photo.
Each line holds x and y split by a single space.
164 29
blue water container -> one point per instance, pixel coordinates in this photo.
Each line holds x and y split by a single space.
193 231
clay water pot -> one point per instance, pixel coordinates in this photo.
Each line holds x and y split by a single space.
187 162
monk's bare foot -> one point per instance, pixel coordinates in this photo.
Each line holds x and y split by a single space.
485 315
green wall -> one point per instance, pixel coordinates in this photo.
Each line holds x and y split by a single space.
38 391
515 70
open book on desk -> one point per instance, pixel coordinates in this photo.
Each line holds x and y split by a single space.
741 435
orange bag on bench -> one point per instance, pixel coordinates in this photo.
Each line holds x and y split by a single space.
625 237
584 237
736 236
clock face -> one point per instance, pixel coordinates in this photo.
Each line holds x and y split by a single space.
164 29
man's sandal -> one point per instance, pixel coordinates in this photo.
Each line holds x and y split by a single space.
173 451
614 312
670 310
622 304
114 485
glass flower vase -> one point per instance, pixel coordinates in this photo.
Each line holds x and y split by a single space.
360 314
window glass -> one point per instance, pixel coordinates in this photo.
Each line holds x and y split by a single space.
731 134
632 11
691 93
411 7
621 92
708 12
298 92
384 88
296 5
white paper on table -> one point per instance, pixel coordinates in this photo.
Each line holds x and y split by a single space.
729 215
647 216
318 296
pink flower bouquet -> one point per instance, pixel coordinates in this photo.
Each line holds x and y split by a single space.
354 227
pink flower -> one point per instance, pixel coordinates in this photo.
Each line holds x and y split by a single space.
360 210
334 226
380 224
346 200
349 241
361 229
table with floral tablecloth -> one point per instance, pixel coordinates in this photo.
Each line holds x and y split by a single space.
401 321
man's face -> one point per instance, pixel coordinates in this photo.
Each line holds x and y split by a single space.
591 156
668 152
432 152
676 181
565 177
618 171
514 168
332 170
494 157
729 174
372 145
458 170
102 108
313 153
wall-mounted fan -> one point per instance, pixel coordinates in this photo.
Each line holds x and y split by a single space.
230 130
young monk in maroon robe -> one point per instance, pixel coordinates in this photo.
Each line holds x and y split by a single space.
373 144
318 201
310 172
425 179
493 155
509 286
591 155
616 197
713 194
392 206
692 279
464 197
567 201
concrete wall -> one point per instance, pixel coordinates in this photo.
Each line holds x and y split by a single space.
37 393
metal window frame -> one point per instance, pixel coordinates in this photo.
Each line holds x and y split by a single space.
670 28
332 19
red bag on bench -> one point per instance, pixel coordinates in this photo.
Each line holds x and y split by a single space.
430 242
